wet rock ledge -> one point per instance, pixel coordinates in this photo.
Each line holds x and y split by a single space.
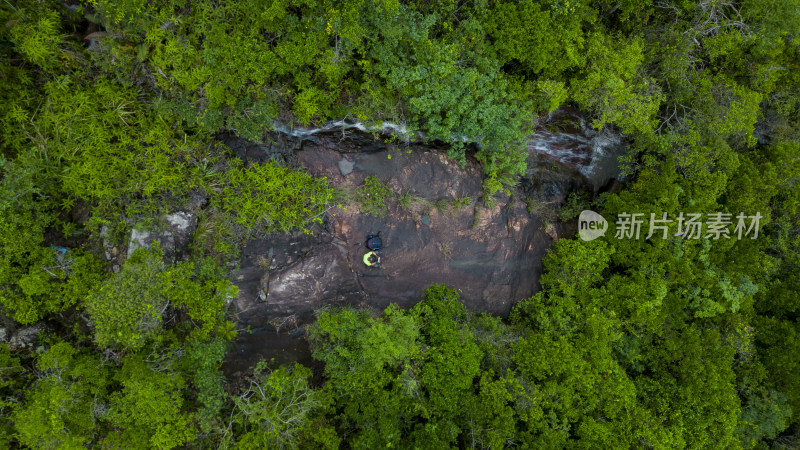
492 254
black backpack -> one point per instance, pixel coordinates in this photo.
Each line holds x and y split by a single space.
374 241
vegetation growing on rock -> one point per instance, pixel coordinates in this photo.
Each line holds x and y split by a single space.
111 113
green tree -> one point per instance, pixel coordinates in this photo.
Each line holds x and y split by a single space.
281 410
65 406
13 379
614 86
148 410
203 361
128 308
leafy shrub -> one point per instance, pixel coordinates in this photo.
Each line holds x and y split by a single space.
200 287
37 37
373 197
573 206
60 411
204 361
13 379
461 202
127 309
404 200
35 282
281 410
269 197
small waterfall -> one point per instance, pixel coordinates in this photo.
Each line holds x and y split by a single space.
563 137
341 125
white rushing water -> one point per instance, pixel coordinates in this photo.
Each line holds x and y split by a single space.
564 137
385 127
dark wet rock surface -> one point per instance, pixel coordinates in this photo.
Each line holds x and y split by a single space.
277 147
293 274
266 343
549 182
492 254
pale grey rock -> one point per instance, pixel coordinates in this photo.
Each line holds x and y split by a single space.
174 236
346 166
105 235
25 338
426 220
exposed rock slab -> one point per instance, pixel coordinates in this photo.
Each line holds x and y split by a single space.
21 338
293 274
492 254
494 262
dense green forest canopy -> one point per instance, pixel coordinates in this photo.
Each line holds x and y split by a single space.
109 115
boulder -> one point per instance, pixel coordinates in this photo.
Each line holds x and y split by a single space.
345 166
174 234
25 338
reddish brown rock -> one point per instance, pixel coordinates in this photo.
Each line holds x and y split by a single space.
492 254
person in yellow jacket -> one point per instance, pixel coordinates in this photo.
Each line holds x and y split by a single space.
371 259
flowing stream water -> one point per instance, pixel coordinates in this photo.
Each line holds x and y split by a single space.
564 136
